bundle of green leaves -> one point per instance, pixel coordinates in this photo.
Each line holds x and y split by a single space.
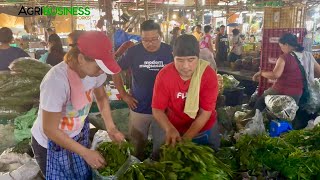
265 153
115 156
186 160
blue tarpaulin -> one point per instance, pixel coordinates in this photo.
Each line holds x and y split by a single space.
121 37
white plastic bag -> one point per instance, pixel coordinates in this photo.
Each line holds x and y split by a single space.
17 166
255 126
283 107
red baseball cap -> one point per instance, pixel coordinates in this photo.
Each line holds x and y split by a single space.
97 45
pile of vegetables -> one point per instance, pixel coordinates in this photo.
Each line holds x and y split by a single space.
20 88
115 156
296 155
184 161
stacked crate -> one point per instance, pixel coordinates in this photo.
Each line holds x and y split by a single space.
278 21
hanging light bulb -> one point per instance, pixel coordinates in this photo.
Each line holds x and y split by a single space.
174 16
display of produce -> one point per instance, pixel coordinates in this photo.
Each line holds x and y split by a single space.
20 88
184 161
115 156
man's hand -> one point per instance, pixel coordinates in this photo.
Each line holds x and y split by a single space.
131 101
256 76
172 136
116 135
94 159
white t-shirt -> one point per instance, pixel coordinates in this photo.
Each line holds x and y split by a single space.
55 97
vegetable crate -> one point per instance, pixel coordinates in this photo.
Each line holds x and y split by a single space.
284 17
271 51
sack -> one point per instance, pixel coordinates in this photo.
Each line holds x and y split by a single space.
283 107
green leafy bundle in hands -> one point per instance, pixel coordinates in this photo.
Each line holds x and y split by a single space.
115 156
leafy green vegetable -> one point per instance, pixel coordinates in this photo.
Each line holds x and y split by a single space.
200 160
115 156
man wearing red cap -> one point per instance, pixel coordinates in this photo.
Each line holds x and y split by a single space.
60 135
144 60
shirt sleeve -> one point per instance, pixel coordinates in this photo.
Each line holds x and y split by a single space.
53 93
100 80
125 62
209 90
160 98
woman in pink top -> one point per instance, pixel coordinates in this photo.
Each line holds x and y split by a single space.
206 47
287 72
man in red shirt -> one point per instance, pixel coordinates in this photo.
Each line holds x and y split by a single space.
169 97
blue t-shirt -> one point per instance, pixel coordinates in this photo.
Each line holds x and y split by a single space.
145 66
9 55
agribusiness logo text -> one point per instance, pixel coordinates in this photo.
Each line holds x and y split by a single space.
55 11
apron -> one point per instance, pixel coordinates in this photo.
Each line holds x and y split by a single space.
64 164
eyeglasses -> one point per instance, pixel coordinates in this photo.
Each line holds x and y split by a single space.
152 40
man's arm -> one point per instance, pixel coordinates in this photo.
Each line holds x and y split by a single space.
118 82
172 134
198 124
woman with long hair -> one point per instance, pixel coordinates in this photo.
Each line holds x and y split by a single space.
56 53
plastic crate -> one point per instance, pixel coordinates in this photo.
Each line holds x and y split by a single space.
284 17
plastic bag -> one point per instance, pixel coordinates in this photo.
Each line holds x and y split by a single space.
23 125
229 82
313 104
17 166
281 106
102 136
255 126
6 136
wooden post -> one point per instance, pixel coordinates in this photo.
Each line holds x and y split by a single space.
109 25
168 22
72 23
146 13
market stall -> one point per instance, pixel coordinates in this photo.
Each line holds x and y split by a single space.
254 144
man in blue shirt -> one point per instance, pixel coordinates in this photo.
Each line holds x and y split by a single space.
144 60
7 53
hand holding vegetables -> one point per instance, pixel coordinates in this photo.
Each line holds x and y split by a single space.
172 136
94 159
116 135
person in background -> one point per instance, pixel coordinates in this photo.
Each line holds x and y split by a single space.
243 37
288 71
175 89
237 44
175 33
144 60
8 53
56 53
198 32
252 39
60 134
206 47
307 42
50 31
221 46
183 31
